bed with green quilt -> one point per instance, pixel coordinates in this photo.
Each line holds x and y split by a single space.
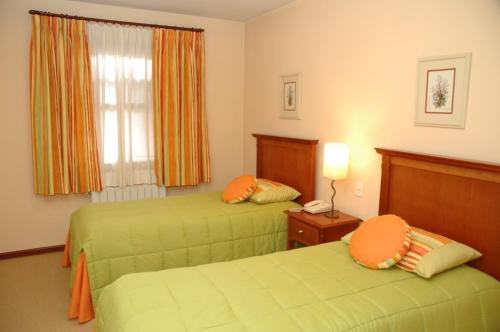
109 240
176 231
318 288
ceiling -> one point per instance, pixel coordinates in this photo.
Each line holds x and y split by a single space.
236 10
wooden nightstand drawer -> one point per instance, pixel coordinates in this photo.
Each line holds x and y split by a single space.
302 232
310 229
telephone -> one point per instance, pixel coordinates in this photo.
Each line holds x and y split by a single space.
317 206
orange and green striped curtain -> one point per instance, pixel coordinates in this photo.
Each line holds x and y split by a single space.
180 121
65 157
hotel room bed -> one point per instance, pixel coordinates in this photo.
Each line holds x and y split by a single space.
157 234
321 288
317 288
108 240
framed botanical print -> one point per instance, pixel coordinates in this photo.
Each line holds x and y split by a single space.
291 96
442 91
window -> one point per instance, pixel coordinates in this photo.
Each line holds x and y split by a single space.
121 67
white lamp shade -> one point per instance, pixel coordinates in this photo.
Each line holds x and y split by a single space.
335 161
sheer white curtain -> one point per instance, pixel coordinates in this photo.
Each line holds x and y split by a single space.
122 69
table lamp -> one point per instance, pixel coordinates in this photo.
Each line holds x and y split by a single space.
335 162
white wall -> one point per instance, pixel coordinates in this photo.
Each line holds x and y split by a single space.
30 221
358 61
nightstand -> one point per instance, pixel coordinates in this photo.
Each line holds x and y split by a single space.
310 229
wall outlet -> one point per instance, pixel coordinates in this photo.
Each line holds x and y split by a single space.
359 188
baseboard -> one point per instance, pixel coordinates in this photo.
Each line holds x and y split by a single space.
30 252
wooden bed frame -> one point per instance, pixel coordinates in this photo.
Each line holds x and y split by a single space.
290 161
459 199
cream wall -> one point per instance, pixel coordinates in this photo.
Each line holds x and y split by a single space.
30 221
358 60
358 64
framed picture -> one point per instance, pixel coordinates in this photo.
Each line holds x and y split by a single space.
290 96
442 91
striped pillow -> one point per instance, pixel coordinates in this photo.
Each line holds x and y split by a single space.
271 191
431 253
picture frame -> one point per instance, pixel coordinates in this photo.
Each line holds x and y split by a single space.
291 89
442 90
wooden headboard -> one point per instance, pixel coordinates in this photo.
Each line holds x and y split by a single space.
456 198
290 161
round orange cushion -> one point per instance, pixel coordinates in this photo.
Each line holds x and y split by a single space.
380 242
239 189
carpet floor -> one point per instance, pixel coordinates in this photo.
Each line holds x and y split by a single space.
34 295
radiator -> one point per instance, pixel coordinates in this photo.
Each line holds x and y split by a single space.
128 193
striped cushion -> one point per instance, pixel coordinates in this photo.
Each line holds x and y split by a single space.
422 242
239 189
431 253
380 242
269 191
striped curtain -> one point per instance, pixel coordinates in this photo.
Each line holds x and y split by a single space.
65 158
180 121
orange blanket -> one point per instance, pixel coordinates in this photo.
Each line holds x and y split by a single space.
81 301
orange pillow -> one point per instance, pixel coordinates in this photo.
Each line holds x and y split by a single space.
380 242
239 189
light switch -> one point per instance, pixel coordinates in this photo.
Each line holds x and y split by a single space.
359 188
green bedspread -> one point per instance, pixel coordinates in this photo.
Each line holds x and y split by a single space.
177 231
312 289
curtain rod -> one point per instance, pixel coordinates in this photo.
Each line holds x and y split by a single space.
91 19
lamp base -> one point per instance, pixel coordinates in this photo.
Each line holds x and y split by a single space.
332 214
